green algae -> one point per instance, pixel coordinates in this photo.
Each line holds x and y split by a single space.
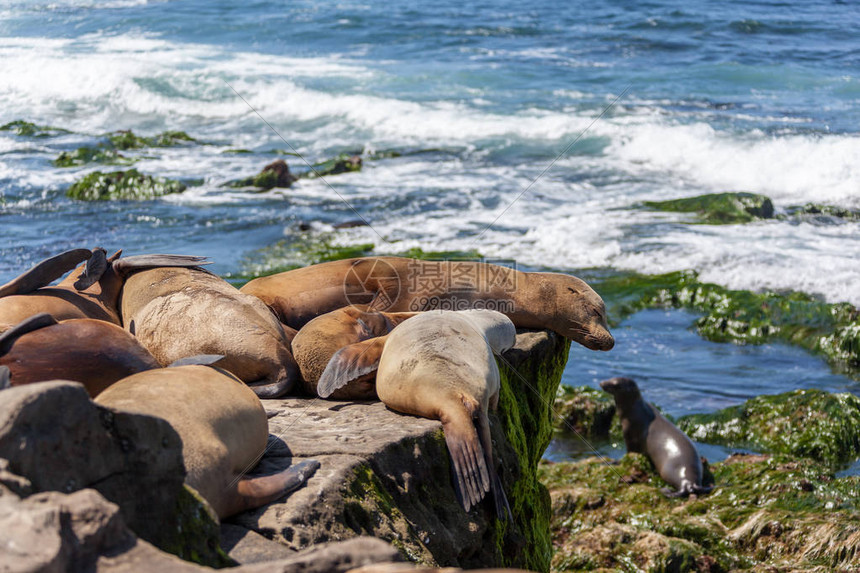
127 139
743 317
196 532
344 163
807 423
418 253
122 185
765 511
87 155
28 129
719 208
275 174
585 411
820 209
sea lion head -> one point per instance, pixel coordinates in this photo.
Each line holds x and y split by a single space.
621 387
578 313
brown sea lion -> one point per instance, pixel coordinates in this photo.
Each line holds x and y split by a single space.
177 312
224 430
647 431
92 352
91 291
341 332
440 365
553 301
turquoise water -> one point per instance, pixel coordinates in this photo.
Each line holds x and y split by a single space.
663 100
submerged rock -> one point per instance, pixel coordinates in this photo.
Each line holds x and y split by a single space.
86 155
805 423
275 174
819 210
122 185
719 208
340 164
766 512
27 129
126 139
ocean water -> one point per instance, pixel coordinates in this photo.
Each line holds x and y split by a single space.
525 131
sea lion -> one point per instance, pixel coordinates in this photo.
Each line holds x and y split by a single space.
554 301
440 365
177 312
647 431
93 352
341 333
91 291
224 430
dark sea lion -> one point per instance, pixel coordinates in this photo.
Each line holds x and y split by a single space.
178 312
339 333
224 431
647 431
91 291
93 352
440 365
553 301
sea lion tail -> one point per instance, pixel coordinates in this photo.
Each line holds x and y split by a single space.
252 492
45 272
30 324
471 478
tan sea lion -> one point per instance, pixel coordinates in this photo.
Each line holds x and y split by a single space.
224 430
178 312
91 291
344 332
92 352
647 431
553 301
440 365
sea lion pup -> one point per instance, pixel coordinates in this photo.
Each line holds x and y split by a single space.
93 352
440 365
554 301
647 431
177 312
91 291
325 336
223 427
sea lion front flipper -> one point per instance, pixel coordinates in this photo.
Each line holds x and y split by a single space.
138 262
197 360
252 492
35 322
45 273
670 493
503 508
5 377
96 267
349 364
472 480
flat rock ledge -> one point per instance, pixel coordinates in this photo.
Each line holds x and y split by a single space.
388 475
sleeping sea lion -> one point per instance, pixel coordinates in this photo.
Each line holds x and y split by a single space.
91 291
554 301
440 365
344 332
93 352
223 427
177 312
647 431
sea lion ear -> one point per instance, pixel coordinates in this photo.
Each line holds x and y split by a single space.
35 322
96 267
350 363
198 360
5 377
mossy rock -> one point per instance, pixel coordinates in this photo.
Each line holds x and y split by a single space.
743 317
126 139
819 210
765 512
719 208
343 163
275 174
806 423
584 411
86 155
122 185
197 532
27 129
418 253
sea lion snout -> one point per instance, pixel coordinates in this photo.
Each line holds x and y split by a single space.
619 385
599 337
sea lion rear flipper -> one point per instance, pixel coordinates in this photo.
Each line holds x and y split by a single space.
5 377
197 360
503 509
249 493
138 262
472 480
35 322
45 273
350 363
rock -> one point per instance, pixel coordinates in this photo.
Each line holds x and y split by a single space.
807 423
766 512
126 139
743 317
275 174
246 546
351 224
719 208
27 129
388 475
122 185
341 164
86 155
820 211
53 435
336 557
584 411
